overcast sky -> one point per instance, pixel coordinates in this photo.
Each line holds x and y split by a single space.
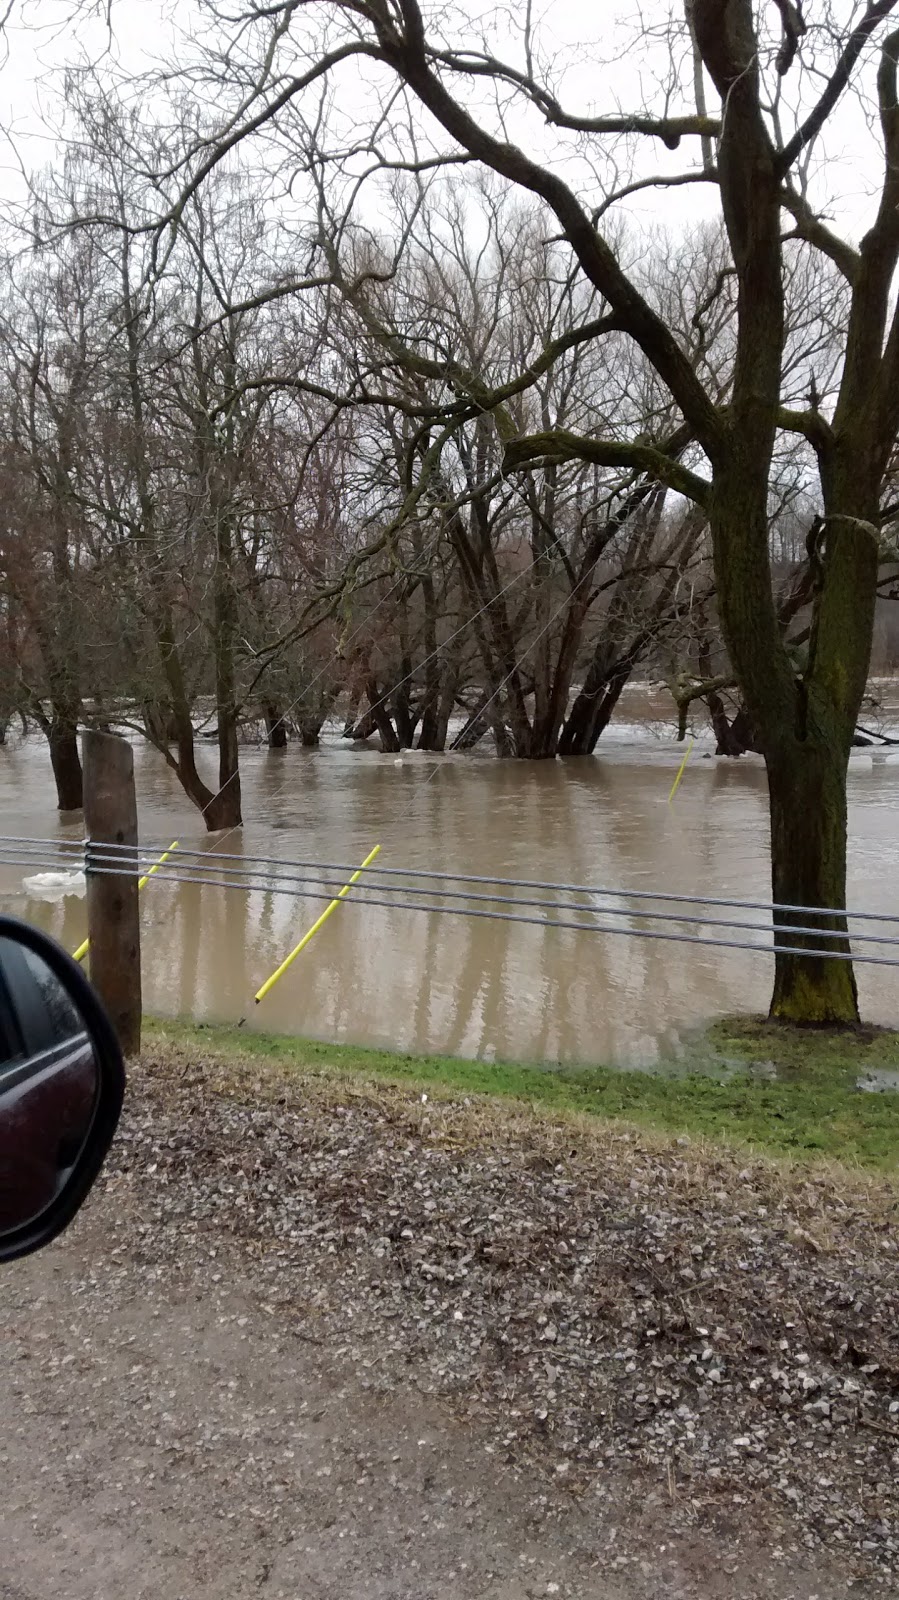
40 42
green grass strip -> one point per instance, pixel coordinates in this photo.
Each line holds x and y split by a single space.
781 1093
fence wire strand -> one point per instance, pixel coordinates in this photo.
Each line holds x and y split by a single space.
146 855
276 884
110 860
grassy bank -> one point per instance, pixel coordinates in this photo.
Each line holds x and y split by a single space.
741 1083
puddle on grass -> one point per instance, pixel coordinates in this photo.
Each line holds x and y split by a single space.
879 1080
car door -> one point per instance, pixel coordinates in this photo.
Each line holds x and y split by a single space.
48 1085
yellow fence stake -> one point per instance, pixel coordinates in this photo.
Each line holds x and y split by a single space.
680 771
82 950
270 982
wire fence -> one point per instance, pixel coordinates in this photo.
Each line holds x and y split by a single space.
615 912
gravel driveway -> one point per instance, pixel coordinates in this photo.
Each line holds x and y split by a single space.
318 1339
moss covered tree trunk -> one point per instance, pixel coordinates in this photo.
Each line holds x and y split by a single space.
807 796
804 713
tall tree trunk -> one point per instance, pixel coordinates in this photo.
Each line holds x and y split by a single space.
184 762
403 715
435 668
807 776
493 632
448 687
60 727
805 721
437 713
807 797
224 810
62 737
805 739
545 723
428 735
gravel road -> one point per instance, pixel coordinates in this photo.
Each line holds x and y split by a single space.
320 1339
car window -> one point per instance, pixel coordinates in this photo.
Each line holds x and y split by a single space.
10 1038
62 1018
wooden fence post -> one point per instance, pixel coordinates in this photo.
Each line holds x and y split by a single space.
113 918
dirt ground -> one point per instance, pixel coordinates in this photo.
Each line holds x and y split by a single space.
325 1341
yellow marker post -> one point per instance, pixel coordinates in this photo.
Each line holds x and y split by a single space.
82 950
680 771
270 982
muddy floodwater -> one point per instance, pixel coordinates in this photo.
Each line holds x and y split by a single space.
422 982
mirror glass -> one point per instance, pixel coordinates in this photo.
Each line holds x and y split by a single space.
49 1085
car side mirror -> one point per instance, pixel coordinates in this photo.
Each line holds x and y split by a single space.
62 1081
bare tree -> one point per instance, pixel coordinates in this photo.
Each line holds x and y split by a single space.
776 82
49 343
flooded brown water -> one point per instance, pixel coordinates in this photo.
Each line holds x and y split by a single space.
410 981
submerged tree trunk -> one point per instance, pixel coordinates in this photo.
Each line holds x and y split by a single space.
160 723
739 736
493 632
578 737
445 704
439 708
275 727
436 668
310 726
62 737
224 811
381 718
608 701
473 732
618 650
220 810
807 797
60 729
403 715
594 705
428 734
727 741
